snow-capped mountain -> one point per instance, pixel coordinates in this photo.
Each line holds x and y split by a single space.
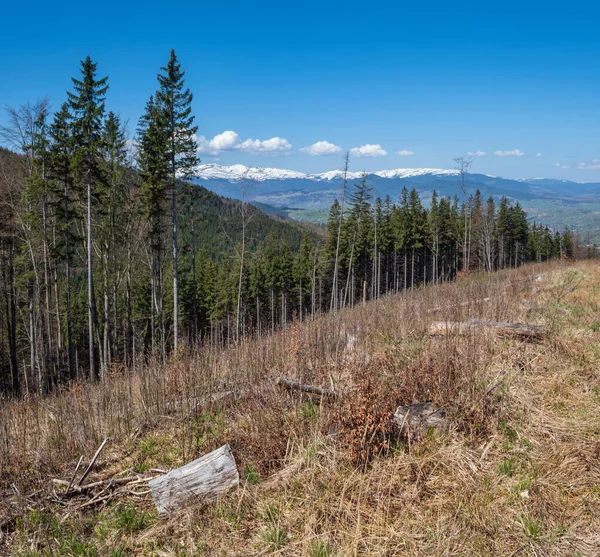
240 172
308 196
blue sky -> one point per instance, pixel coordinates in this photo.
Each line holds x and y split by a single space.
435 79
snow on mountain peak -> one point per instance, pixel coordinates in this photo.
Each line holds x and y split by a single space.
237 172
240 172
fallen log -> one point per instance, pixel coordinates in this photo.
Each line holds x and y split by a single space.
295 386
514 330
202 479
420 416
461 305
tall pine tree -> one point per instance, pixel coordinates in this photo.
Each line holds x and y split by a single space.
87 105
176 104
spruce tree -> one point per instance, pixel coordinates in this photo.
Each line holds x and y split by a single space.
153 167
61 153
87 105
112 198
176 104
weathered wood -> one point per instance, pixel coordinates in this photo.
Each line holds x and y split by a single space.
76 489
89 468
295 386
461 305
202 479
419 416
515 330
74 473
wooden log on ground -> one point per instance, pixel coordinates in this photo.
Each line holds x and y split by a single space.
201 480
514 330
295 386
461 305
420 416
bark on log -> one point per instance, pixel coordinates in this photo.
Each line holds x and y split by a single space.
514 330
295 386
419 416
461 305
202 479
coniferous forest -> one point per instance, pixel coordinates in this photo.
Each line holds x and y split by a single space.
111 255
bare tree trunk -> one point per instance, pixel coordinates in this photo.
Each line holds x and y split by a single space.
313 285
241 274
90 277
351 262
272 311
129 336
11 312
47 296
106 325
300 300
334 289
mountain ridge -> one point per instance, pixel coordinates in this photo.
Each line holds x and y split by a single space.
308 197
257 173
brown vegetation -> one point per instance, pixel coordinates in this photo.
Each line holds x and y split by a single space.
517 473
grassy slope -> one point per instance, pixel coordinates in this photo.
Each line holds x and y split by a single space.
518 473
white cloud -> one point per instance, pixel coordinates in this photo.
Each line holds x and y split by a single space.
513 153
476 154
321 148
368 150
405 153
266 146
593 165
230 140
226 141
558 165
539 155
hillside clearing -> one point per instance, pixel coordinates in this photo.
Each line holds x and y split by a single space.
517 473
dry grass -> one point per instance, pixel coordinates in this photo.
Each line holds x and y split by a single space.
517 474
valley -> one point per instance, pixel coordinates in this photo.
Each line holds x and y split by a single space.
307 197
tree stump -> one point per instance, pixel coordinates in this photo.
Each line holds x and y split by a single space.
420 416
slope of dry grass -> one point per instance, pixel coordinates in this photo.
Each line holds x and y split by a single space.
518 473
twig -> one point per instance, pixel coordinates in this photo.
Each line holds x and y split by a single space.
89 468
74 474
295 386
94 485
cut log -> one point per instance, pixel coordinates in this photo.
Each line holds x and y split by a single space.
295 386
419 416
201 480
461 305
514 330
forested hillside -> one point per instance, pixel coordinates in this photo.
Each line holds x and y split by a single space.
111 255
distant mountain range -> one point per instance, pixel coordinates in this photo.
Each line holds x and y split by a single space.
301 196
